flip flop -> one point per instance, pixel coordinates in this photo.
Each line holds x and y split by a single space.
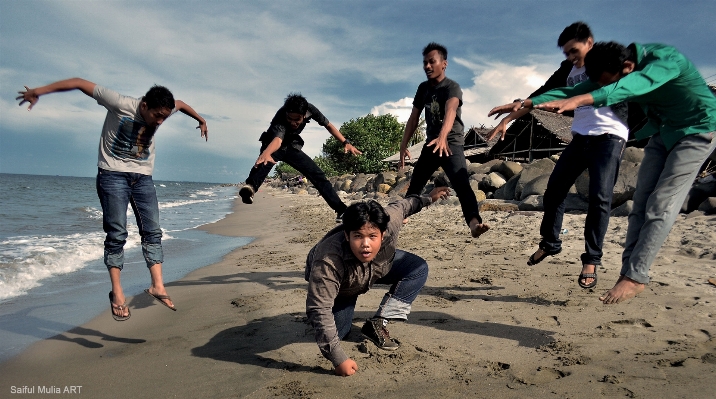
160 299
588 275
533 261
113 306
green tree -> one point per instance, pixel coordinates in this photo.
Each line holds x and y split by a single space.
286 171
419 134
378 137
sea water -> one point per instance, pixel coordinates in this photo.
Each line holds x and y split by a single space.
52 274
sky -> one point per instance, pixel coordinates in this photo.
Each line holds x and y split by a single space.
234 62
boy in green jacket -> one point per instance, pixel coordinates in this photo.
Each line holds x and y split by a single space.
681 113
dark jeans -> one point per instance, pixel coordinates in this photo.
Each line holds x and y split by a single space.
601 155
116 190
406 277
304 164
455 168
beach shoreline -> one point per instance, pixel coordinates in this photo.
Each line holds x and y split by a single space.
485 325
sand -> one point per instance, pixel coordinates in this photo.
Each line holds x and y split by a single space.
484 326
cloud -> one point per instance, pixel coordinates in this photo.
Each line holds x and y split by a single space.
493 83
400 109
496 83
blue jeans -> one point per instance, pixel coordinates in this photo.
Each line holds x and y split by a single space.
455 168
116 190
304 164
665 177
601 155
406 277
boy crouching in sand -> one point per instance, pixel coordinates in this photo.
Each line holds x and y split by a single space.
349 260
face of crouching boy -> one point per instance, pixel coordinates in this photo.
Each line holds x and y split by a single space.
364 224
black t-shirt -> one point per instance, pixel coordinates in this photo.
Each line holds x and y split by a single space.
433 100
282 129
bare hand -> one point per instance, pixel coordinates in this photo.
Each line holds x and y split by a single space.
264 159
439 193
441 146
29 96
568 104
204 131
505 109
350 148
500 129
404 153
348 367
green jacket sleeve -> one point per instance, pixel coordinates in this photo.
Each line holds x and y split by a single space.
565 92
655 73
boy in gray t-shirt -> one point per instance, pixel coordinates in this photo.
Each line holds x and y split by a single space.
125 165
441 98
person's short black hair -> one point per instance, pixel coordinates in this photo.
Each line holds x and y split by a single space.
606 57
295 103
578 31
360 213
159 97
435 46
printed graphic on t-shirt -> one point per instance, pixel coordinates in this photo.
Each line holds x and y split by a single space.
574 80
434 109
577 79
133 140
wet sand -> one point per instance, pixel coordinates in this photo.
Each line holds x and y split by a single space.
485 325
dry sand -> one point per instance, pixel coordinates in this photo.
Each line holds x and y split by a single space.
485 325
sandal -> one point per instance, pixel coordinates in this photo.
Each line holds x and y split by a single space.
121 308
588 275
161 298
533 261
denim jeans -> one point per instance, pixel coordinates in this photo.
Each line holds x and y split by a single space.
665 177
116 190
455 168
601 155
304 164
406 277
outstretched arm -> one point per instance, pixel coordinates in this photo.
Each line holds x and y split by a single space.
501 127
265 157
409 131
33 95
568 104
339 136
187 110
440 143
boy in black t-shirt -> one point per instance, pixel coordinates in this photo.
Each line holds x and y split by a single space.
442 98
282 142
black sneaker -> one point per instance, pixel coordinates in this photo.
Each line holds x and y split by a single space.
247 194
376 331
339 217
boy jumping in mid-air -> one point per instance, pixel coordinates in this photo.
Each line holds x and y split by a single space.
349 260
126 162
442 100
282 142
598 139
681 112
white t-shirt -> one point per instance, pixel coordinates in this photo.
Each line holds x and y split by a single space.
127 143
591 121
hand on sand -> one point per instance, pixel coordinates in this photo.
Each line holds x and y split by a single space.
348 367
624 289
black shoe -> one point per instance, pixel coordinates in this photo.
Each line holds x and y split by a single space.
339 217
247 194
376 331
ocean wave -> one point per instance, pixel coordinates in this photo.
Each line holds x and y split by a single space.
25 261
206 193
93 213
174 204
